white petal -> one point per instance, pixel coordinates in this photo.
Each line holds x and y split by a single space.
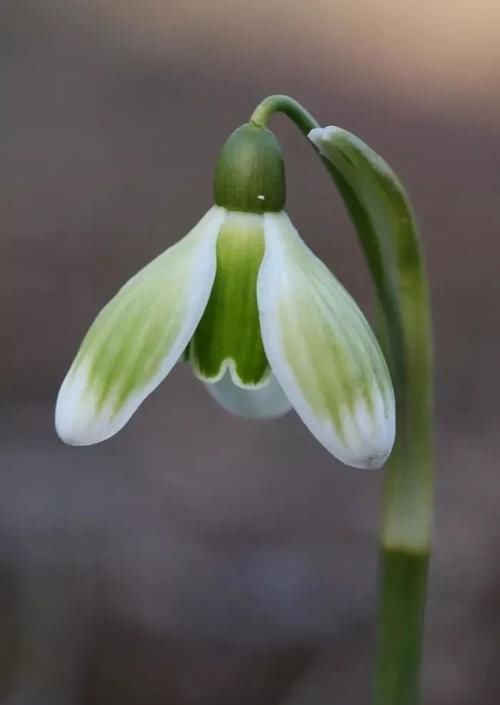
263 402
138 337
322 351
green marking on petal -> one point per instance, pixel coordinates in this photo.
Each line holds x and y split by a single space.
138 337
126 345
229 331
331 367
135 354
322 350
321 323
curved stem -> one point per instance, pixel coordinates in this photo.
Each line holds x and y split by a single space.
382 216
283 104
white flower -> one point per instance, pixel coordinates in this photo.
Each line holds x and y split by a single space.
264 324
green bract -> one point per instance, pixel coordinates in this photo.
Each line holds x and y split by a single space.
261 320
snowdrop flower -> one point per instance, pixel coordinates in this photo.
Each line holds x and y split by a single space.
260 318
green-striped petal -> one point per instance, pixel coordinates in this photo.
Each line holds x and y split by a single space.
138 337
265 402
228 336
322 351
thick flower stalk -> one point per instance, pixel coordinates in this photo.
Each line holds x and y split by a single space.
262 321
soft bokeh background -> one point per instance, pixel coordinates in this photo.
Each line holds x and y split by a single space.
200 559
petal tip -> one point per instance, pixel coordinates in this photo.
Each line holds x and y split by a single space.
373 461
369 435
72 413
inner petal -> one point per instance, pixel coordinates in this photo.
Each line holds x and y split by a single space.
228 335
266 402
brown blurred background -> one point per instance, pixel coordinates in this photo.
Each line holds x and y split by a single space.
196 558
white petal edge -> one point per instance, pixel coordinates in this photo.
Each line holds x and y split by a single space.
368 438
263 402
78 420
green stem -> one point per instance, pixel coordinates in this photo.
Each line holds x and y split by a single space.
400 626
381 213
283 104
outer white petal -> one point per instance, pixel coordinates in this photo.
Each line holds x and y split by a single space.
322 351
138 337
263 402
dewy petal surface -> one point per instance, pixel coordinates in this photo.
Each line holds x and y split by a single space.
138 337
265 402
322 350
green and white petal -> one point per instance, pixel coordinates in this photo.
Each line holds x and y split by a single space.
265 402
228 336
138 337
322 350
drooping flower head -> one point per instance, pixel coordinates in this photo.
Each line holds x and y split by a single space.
262 321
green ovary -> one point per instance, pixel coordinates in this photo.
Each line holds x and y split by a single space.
229 330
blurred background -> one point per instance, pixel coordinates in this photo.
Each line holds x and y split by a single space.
197 558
